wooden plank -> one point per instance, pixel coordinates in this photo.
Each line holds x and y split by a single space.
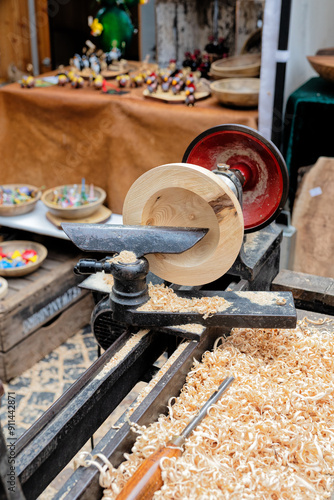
35 277
45 279
44 306
40 343
50 264
14 37
17 284
43 35
310 292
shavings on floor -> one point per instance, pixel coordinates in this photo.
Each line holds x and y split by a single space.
271 436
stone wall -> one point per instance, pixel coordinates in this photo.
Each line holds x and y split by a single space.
187 24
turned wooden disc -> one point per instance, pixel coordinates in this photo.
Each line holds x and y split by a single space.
185 195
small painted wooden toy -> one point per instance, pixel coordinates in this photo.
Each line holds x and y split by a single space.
77 82
177 83
152 83
16 196
17 258
165 82
74 196
114 54
62 79
122 80
77 62
190 95
95 63
85 61
190 80
28 82
98 82
137 80
71 75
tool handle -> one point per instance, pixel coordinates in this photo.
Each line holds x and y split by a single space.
147 478
91 266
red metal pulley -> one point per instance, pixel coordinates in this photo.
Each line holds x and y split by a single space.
262 167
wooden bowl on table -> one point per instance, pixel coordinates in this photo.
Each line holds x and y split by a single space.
243 66
73 212
22 245
25 206
237 92
323 65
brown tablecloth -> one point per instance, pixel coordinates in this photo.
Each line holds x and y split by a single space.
57 135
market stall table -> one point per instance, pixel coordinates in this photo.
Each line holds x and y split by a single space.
55 135
37 222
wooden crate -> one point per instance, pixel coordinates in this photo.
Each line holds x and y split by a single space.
40 312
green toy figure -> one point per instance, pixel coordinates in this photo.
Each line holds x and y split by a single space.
113 24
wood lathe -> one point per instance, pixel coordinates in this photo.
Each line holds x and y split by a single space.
203 228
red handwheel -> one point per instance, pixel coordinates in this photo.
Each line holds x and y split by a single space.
256 161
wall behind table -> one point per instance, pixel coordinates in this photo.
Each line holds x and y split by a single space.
311 28
186 25
16 33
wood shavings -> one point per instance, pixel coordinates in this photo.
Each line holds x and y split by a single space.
271 436
124 257
280 302
120 355
109 279
320 321
163 298
191 327
261 298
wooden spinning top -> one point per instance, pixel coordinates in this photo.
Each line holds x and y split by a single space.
186 195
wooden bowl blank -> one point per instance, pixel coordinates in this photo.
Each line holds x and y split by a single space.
21 246
238 66
3 288
323 65
22 208
185 195
239 92
73 212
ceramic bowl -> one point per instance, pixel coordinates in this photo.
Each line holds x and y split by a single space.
21 246
73 212
237 92
21 208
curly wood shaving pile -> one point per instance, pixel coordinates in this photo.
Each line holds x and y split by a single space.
163 298
124 257
271 436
